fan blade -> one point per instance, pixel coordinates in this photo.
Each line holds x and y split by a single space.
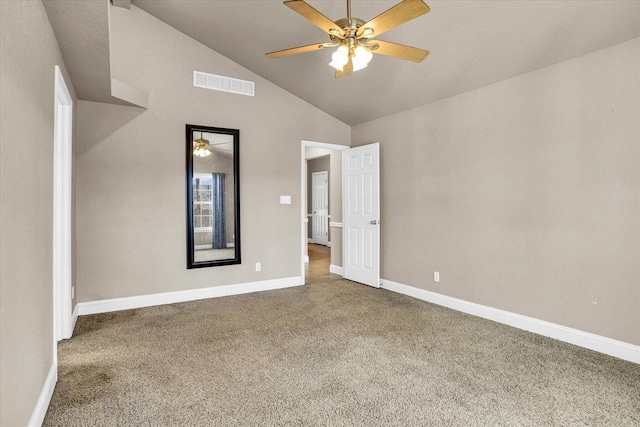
295 50
399 51
316 18
346 70
398 14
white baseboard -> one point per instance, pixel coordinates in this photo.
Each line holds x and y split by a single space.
127 303
74 319
309 240
577 337
306 259
37 416
335 269
329 244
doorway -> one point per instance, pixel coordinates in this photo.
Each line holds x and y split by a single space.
321 262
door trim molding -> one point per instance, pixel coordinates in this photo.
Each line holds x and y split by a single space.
577 337
62 199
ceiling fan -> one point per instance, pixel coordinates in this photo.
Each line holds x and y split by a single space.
201 147
353 37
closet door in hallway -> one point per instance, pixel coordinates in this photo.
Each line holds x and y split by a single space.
320 205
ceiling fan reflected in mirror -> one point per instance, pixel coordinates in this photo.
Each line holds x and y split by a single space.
201 147
354 38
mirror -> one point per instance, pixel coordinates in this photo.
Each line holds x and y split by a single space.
213 196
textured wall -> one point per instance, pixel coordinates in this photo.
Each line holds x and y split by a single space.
29 54
131 167
524 195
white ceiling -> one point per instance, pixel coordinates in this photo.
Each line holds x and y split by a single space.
472 44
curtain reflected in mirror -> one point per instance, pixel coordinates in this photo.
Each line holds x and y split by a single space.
213 227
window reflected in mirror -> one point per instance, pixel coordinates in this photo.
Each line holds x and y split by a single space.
213 227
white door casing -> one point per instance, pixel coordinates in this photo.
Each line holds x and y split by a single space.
62 186
320 206
361 214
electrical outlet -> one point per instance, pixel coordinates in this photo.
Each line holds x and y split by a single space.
258 266
436 276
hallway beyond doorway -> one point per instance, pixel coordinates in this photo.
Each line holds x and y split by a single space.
317 270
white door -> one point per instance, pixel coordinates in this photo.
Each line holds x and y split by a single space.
361 214
320 206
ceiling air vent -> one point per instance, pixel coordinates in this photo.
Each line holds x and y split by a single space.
224 84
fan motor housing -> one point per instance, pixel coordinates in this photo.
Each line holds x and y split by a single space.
349 23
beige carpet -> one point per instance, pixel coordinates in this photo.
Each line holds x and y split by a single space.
334 353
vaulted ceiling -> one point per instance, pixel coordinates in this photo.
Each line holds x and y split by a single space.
472 44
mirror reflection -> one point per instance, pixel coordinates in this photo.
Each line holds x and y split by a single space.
212 166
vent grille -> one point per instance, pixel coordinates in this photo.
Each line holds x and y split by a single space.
224 84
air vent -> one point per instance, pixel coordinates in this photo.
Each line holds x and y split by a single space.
224 84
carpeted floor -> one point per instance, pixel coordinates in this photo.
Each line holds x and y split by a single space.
331 353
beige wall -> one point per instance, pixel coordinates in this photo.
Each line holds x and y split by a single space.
29 54
131 167
524 195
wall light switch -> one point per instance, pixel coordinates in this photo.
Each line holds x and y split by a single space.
436 276
258 266
285 200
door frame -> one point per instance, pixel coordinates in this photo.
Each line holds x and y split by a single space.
313 194
303 194
62 198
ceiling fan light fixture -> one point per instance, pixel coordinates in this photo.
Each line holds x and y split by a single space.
361 58
340 58
201 148
202 151
353 35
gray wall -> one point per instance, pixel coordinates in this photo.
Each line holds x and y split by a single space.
131 167
524 195
29 53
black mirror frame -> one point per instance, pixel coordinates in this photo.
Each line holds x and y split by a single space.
191 263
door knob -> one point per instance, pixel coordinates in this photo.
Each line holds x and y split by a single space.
374 222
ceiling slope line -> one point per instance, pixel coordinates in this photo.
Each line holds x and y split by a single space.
83 34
